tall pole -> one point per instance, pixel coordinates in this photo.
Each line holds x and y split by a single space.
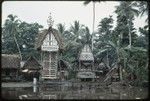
93 30
93 22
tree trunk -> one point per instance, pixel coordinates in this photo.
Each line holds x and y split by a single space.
120 73
108 60
121 38
130 40
93 22
17 46
118 64
147 63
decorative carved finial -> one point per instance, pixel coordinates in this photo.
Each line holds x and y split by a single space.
50 22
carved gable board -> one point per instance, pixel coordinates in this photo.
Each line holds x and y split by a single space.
50 43
86 54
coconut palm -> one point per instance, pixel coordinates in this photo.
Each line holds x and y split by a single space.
61 28
71 40
86 36
126 9
76 29
11 27
63 32
105 26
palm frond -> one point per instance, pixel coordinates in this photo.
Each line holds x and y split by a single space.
133 49
87 2
135 12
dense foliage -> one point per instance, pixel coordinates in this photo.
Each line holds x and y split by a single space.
19 37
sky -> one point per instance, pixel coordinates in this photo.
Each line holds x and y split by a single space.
65 12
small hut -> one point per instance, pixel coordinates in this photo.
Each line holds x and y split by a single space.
10 67
31 69
86 64
50 44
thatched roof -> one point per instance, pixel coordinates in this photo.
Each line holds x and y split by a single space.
86 54
31 63
10 61
41 36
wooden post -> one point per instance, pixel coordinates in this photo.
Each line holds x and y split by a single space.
56 64
50 62
60 68
93 65
42 66
93 69
41 58
120 73
79 65
17 74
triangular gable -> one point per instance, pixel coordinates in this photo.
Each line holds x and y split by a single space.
86 54
50 40
42 35
86 49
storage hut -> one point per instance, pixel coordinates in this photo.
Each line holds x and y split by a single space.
10 67
50 44
31 69
86 64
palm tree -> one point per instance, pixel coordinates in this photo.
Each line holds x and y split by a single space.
72 40
86 3
12 27
76 29
105 26
87 36
61 28
126 9
63 32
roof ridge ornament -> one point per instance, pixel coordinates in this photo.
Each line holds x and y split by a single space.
50 22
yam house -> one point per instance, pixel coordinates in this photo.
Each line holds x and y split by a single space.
31 69
50 45
10 67
86 64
